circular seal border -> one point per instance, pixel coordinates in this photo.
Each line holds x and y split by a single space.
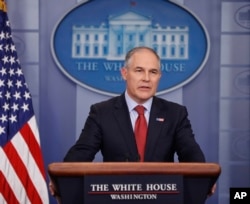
198 70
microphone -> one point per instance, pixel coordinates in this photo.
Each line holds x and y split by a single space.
127 157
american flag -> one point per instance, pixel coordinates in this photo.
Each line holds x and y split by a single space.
160 119
22 173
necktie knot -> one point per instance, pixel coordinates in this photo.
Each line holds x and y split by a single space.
140 109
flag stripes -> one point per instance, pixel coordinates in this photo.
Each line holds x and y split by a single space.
21 154
7 193
22 173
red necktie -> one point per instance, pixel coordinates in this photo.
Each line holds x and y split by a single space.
140 131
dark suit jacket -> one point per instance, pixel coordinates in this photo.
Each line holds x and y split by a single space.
108 128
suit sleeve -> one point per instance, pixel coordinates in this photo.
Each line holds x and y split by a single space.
188 150
89 142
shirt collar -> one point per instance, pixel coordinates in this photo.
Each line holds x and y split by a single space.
132 104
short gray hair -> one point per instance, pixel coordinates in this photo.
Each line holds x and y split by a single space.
131 52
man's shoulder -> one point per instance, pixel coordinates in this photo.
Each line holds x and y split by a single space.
111 102
164 102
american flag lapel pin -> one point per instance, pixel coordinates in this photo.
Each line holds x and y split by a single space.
160 119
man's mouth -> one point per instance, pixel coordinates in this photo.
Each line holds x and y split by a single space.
144 87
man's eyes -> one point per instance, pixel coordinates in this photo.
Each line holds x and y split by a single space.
151 71
154 71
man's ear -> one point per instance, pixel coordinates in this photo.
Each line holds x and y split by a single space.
124 73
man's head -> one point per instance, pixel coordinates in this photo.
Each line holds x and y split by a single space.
142 73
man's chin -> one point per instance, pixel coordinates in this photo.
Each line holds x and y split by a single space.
145 95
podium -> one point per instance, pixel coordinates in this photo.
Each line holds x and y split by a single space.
132 182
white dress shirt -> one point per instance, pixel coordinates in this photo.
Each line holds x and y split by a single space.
132 112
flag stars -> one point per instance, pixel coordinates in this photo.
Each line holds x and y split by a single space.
6 48
19 84
16 104
2 131
1 82
25 107
27 95
3 118
12 48
5 59
10 83
2 35
11 72
26 85
8 35
12 60
7 95
17 95
16 111
19 72
13 118
6 106
3 71
8 23
14 107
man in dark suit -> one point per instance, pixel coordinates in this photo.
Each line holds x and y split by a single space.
110 124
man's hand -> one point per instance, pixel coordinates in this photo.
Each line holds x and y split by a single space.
212 191
52 189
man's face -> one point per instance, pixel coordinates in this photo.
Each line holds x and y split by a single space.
142 75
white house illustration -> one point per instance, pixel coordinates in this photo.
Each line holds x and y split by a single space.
113 39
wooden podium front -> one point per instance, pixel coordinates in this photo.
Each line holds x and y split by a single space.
135 182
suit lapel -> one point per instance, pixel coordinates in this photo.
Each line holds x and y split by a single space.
156 121
122 116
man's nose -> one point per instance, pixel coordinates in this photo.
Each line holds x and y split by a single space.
146 76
